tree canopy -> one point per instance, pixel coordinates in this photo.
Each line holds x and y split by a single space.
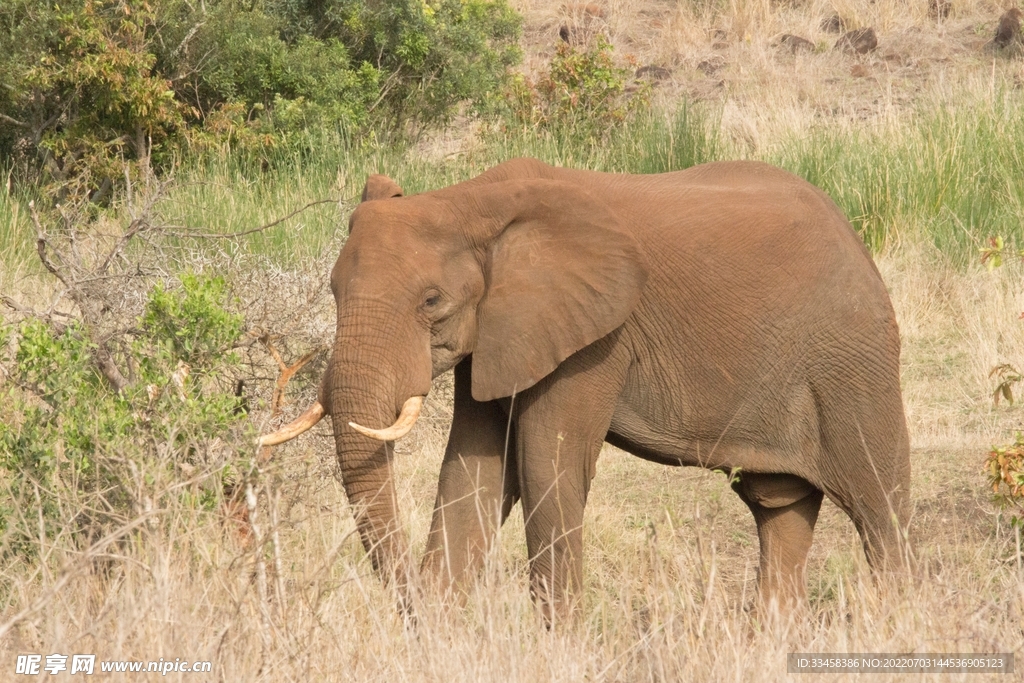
90 84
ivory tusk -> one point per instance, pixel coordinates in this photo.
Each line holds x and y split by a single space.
405 421
294 428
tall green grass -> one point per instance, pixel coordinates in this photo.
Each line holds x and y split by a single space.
228 193
949 176
652 143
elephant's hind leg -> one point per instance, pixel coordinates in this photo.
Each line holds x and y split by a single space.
882 512
865 463
785 508
866 472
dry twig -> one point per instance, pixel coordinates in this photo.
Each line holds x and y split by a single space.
185 232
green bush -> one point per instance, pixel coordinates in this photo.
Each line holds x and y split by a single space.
89 457
235 57
429 55
583 93
192 325
80 93
89 85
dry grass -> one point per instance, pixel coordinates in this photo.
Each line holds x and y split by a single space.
727 52
670 554
956 326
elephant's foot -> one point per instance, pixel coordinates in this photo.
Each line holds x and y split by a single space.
883 529
886 545
438 582
449 573
558 606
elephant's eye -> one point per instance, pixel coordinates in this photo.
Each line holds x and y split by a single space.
431 301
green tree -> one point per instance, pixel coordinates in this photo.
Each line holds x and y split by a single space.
80 93
90 85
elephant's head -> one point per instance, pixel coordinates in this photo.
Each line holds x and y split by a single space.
520 273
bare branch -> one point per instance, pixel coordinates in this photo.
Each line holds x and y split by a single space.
115 276
285 376
188 37
390 84
134 228
232 235
138 224
32 313
105 362
13 122
15 306
37 132
41 245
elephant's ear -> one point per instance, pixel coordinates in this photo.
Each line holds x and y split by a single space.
562 273
380 187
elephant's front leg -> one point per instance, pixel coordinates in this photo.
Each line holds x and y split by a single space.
561 425
476 490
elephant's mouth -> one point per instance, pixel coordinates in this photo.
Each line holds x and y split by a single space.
406 419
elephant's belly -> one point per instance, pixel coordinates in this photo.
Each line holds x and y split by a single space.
677 446
643 451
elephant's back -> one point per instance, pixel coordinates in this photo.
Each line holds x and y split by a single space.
743 238
758 285
747 228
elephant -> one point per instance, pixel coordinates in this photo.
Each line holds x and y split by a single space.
725 316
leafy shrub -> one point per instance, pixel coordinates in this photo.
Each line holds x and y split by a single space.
192 325
1004 469
583 91
92 84
1008 376
88 456
429 55
80 91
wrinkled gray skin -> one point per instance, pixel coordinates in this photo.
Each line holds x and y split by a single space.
726 316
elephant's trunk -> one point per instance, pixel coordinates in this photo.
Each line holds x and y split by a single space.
366 384
368 477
